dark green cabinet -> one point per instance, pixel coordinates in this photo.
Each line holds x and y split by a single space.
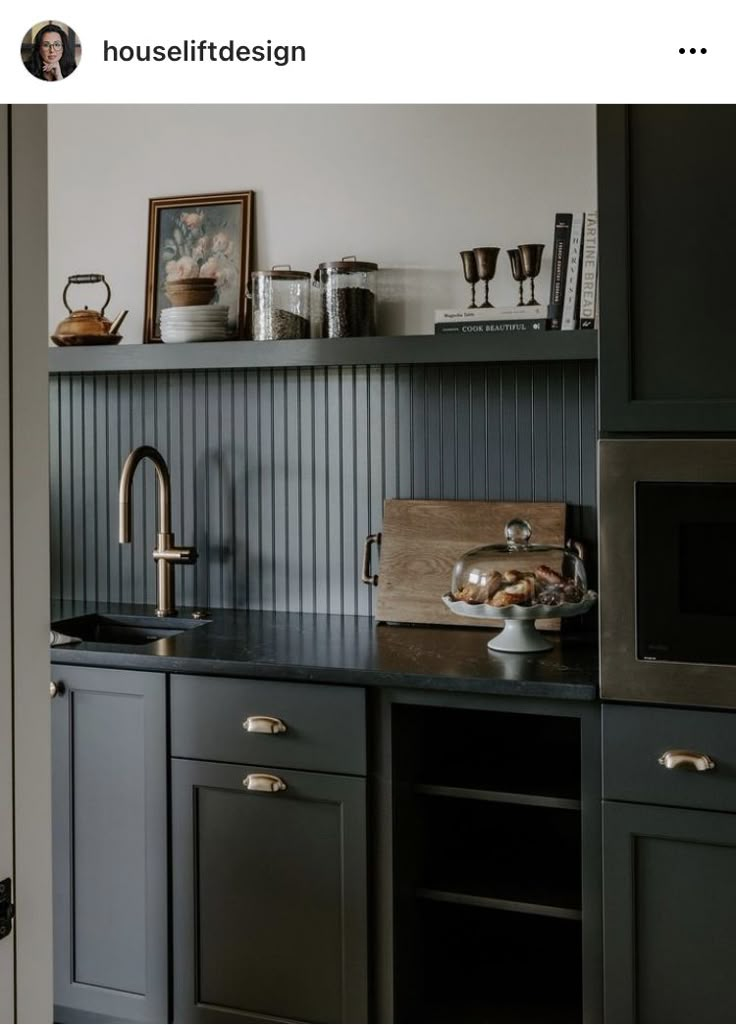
667 224
669 864
670 914
211 849
269 894
110 845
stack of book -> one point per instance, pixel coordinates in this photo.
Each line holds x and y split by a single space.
573 296
499 320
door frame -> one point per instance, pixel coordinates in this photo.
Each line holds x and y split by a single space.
7 946
24 555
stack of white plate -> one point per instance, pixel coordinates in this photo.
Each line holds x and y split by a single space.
194 323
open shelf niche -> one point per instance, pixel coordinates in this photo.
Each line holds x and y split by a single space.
487 865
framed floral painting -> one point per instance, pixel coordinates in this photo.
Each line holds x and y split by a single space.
200 237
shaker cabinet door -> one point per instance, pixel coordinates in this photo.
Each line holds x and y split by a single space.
269 889
667 224
669 914
110 845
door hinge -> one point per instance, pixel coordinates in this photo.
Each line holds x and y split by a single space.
7 910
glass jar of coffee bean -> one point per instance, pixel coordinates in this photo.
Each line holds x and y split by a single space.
347 298
281 303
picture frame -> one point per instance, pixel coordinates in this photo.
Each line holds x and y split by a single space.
208 235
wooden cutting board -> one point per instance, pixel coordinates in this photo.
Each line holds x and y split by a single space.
422 540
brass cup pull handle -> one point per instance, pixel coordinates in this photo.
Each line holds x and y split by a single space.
264 724
264 782
675 759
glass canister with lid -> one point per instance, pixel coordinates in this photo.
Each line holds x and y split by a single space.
519 582
280 303
347 297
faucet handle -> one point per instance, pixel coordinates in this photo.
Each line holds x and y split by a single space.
184 554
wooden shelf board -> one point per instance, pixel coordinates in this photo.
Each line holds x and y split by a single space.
494 1007
315 352
501 796
501 904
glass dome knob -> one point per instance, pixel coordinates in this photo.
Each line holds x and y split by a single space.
518 533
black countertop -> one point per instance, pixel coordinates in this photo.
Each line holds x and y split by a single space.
341 649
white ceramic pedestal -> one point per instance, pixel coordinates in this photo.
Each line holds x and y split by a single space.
519 635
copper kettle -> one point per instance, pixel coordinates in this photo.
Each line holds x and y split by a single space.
88 327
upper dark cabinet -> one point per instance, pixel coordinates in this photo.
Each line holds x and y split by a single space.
668 233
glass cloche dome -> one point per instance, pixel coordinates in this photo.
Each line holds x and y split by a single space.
519 582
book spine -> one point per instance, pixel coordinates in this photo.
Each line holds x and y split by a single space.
492 327
579 283
490 313
571 278
563 225
589 272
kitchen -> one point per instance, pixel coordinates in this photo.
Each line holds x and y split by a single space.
445 767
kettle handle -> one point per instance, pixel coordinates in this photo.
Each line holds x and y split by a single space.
86 279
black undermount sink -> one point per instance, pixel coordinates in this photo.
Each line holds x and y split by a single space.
117 630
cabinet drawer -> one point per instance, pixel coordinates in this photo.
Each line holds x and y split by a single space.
320 727
634 739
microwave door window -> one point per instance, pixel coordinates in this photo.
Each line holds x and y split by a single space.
686 572
707 571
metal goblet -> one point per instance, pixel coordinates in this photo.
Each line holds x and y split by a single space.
470 270
531 262
517 272
485 261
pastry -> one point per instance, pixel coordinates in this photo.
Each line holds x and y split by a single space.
512 576
517 594
545 575
571 591
495 583
476 594
471 594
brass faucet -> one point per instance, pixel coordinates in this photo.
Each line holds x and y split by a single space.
166 553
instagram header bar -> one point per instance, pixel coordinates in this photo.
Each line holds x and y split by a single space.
391 51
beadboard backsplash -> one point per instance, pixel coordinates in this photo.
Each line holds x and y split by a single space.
278 475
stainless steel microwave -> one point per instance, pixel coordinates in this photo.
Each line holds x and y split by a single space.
667 510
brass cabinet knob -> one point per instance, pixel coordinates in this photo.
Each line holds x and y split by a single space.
264 724
264 782
676 759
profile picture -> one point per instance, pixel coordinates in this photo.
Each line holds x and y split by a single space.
51 51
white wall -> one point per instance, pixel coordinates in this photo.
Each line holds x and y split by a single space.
407 187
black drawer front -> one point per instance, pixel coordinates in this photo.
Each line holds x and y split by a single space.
635 737
324 725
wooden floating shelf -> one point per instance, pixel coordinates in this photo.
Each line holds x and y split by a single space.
500 796
501 904
550 346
